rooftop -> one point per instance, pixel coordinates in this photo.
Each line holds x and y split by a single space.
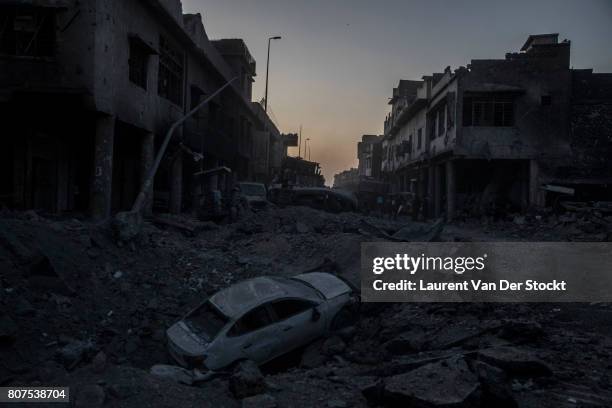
536 39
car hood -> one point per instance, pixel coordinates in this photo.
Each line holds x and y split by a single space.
329 285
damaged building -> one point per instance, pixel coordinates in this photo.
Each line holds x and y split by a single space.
88 90
365 180
501 134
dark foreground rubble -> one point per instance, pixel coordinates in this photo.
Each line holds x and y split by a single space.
78 309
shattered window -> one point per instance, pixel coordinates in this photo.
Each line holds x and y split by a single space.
206 321
27 31
254 320
285 309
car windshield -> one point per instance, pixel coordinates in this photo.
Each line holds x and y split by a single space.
206 321
253 190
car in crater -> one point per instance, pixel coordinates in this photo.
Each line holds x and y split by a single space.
262 318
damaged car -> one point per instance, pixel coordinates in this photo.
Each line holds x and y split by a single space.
262 318
319 198
254 195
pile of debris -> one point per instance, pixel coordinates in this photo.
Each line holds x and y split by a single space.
78 309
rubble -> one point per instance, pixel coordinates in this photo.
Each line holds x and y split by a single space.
423 387
496 387
8 329
313 355
174 373
90 396
515 361
247 380
259 401
110 331
74 352
127 225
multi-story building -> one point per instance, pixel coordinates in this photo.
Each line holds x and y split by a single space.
88 90
302 173
347 180
268 148
369 154
493 135
404 141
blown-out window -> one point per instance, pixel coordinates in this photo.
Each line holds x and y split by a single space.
138 63
171 72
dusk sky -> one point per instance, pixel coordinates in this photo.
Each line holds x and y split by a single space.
335 68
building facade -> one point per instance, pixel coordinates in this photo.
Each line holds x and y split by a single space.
491 136
369 154
88 90
347 180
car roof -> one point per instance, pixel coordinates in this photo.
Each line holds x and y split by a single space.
241 297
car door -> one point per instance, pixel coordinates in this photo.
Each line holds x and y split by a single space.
296 325
255 335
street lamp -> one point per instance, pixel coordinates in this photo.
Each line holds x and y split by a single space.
306 148
278 37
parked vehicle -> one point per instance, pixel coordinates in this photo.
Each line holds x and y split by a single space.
254 194
261 319
320 198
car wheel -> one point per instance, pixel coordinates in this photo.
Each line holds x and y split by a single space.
343 319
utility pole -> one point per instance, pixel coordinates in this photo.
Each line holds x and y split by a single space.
300 143
278 37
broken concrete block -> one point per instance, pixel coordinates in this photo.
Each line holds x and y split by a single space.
8 329
247 380
259 401
521 331
374 392
515 361
337 403
408 342
496 387
312 356
24 308
50 371
448 383
333 346
174 373
74 352
127 225
301 228
90 396
98 364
